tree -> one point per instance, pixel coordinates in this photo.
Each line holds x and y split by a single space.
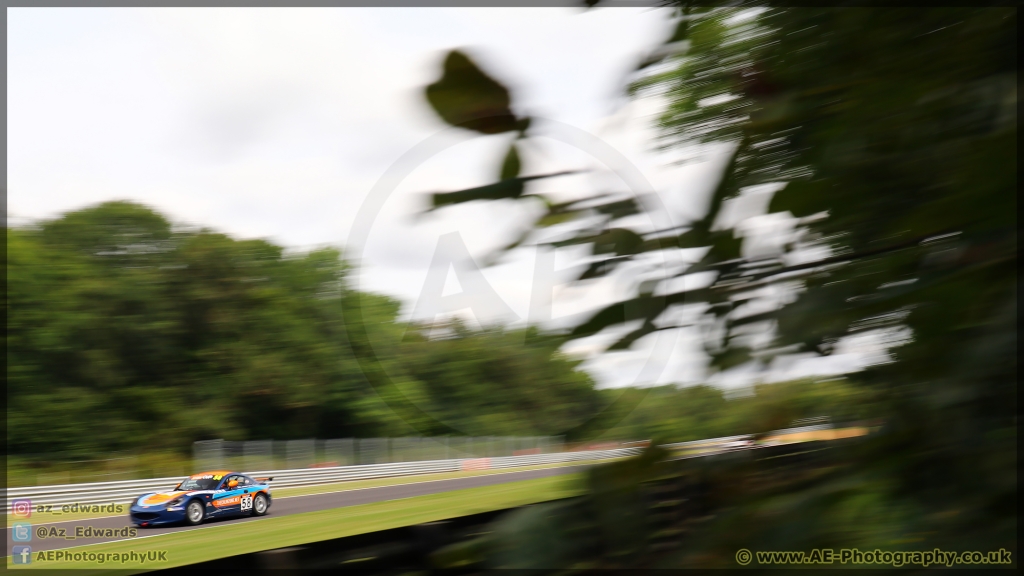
890 137
491 383
126 333
681 414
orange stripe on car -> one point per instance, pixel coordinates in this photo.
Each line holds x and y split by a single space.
227 501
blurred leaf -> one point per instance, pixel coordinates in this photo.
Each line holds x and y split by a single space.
626 341
567 211
644 306
724 252
511 188
554 218
619 241
616 209
467 97
731 357
674 45
601 267
801 198
608 316
661 242
682 27
510 165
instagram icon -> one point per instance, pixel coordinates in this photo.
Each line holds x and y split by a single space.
21 508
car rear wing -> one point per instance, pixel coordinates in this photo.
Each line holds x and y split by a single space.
268 479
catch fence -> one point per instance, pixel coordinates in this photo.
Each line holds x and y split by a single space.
124 492
317 453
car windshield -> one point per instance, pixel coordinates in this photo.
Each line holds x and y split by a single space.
198 484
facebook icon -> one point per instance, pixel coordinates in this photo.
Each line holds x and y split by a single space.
21 554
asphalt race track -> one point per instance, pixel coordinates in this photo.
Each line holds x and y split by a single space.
284 506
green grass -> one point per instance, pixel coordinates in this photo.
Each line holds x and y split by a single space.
44 517
218 541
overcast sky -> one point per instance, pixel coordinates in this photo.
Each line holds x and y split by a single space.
277 124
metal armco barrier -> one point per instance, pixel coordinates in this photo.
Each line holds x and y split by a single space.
124 492
121 492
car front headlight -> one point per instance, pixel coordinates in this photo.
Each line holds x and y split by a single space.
176 503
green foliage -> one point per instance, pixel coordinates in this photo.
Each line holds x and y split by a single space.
124 335
610 523
890 135
465 96
510 165
498 382
683 414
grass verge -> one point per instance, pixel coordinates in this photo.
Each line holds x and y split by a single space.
47 517
218 541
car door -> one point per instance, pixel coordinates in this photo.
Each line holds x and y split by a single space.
248 487
228 500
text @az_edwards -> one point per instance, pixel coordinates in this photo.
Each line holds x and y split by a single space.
43 532
23 508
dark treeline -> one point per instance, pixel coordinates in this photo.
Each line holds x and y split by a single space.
127 333
124 332
682 414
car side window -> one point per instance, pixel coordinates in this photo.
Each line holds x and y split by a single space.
228 481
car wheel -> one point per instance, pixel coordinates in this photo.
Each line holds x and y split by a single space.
259 505
194 513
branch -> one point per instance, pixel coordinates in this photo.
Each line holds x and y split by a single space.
762 276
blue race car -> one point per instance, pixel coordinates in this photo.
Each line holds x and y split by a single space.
215 494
